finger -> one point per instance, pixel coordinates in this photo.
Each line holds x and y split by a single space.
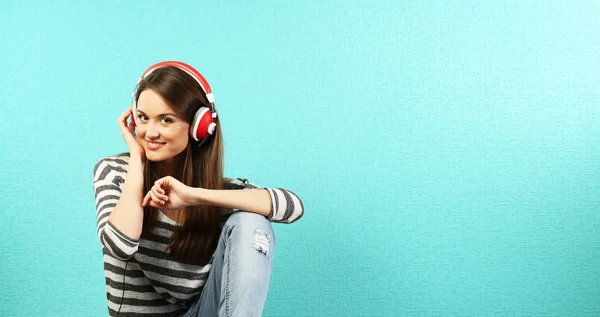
131 126
155 191
159 202
154 204
163 181
146 200
156 199
123 118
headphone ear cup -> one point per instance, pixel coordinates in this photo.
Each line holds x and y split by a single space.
202 124
133 113
132 119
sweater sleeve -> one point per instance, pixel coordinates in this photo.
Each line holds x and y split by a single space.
109 175
286 207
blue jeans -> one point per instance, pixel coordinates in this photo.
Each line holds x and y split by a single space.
238 281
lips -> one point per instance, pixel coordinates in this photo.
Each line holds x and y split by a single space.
153 146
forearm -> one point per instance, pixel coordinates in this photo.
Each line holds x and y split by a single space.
254 200
128 214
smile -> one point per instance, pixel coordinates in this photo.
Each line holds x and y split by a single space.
153 146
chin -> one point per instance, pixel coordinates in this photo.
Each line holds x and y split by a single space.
156 157
162 154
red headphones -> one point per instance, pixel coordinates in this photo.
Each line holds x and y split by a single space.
203 124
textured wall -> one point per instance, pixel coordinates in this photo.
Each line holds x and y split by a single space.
447 153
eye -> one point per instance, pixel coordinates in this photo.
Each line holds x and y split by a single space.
142 117
167 120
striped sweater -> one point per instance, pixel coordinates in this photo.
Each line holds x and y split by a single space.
154 283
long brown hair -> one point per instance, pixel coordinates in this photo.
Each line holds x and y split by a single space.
196 239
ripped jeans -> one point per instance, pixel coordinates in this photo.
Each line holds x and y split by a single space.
238 281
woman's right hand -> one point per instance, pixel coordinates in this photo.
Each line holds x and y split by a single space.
128 132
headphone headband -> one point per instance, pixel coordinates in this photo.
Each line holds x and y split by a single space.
189 70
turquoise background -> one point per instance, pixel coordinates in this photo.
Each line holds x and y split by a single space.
447 153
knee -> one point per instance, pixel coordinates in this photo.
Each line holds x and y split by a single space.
247 227
249 221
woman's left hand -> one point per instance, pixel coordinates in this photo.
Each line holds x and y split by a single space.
168 193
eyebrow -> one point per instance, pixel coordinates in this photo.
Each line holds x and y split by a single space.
162 114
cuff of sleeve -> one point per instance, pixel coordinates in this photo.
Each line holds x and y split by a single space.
122 235
273 203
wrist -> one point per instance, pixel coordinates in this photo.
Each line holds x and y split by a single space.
197 196
137 159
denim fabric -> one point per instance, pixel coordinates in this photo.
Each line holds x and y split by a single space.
238 282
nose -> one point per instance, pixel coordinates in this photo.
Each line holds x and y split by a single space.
152 131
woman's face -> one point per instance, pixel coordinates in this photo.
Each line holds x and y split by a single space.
162 134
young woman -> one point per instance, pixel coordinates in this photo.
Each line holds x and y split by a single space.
178 238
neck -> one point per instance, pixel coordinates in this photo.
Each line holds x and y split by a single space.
171 167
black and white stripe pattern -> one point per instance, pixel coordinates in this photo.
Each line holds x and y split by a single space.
155 284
